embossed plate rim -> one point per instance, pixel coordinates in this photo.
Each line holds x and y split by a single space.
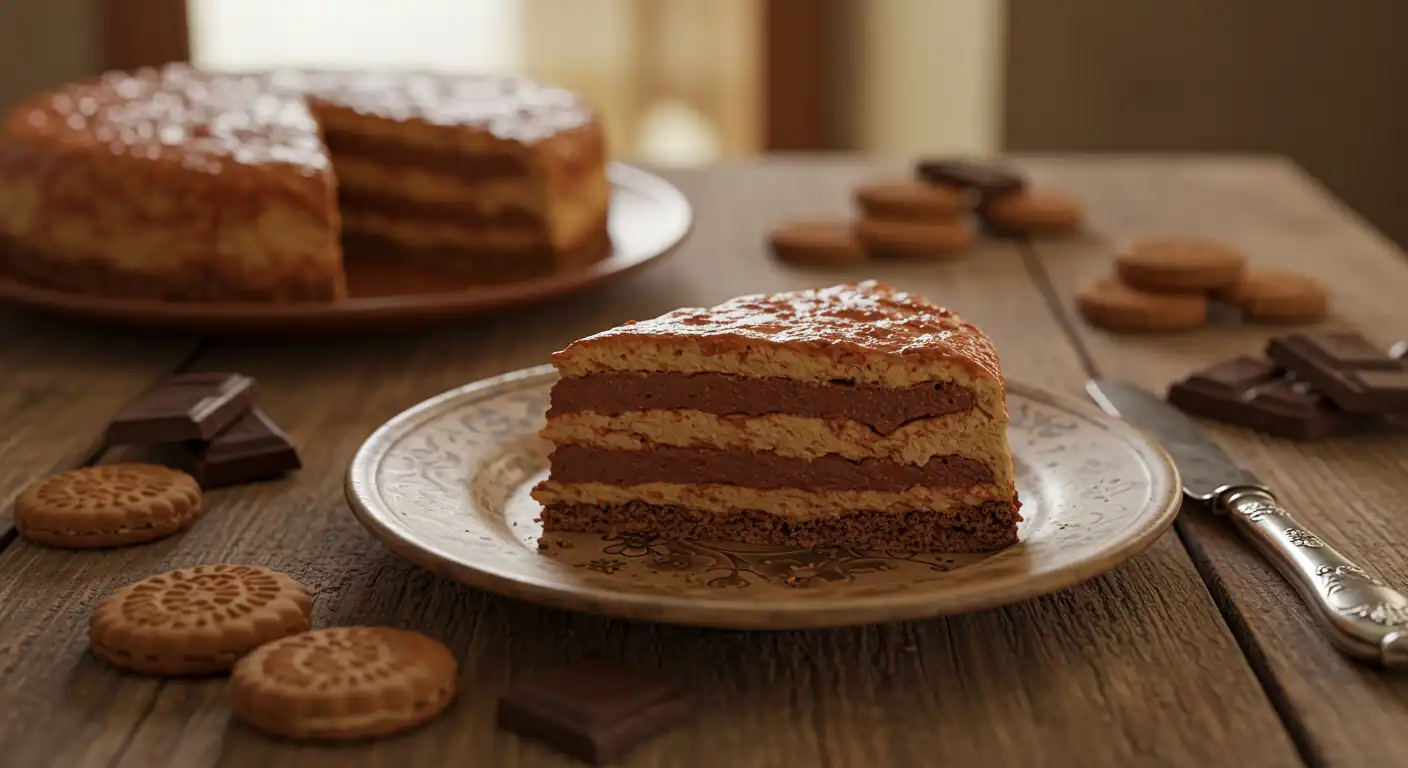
933 599
366 313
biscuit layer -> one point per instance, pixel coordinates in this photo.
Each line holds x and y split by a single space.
793 503
969 433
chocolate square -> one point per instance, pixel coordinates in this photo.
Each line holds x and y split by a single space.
185 406
1347 368
594 711
254 448
1257 394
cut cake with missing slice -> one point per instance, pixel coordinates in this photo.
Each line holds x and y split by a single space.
855 416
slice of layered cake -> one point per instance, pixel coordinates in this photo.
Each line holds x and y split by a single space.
855 416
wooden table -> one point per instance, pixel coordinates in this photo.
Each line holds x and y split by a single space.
1193 653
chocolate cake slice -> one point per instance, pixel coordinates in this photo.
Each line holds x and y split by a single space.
855 416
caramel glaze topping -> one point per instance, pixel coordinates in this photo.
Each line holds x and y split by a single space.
857 319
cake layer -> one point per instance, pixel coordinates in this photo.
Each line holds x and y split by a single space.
394 260
803 437
881 408
383 203
765 471
977 528
388 151
360 174
794 503
867 333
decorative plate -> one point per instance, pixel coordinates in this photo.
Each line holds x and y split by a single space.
446 483
647 220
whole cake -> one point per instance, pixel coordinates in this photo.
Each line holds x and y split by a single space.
855 416
179 184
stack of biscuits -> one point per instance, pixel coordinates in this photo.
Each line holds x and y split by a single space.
1169 283
907 219
1003 200
929 217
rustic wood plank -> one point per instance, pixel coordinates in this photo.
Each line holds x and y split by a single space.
1117 671
61 384
1350 489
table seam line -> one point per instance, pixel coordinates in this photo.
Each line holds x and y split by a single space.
1231 616
10 533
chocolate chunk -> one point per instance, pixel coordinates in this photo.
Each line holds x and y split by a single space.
254 448
1258 395
986 180
186 406
1347 368
593 711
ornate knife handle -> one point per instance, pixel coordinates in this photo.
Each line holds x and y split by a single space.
1362 616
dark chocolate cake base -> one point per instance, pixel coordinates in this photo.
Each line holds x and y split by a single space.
979 528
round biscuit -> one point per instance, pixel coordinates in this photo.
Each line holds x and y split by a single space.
1109 304
109 505
908 239
200 620
910 201
1033 212
1179 264
1274 295
344 683
816 242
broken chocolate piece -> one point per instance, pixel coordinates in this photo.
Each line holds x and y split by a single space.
1258 395
1347 368
186 406
987 180
254 448
593 711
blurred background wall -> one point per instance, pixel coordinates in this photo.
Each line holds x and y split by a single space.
689 82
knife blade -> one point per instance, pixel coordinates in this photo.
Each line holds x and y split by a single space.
1206 470
1360 615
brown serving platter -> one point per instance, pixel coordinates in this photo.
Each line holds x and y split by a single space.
649 218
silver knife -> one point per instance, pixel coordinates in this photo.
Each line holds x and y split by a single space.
1362 617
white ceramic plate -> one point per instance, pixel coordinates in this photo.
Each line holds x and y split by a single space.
446 483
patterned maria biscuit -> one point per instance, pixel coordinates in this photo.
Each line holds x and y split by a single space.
110 505
909 239
1179 264
910 200
344 683
197 620
1033 212
1278 296
1110 304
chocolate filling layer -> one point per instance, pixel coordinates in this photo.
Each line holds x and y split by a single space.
884 409
765 471
458 214
979 528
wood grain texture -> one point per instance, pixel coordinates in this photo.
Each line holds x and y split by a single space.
61 384
1134 667
1351 489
